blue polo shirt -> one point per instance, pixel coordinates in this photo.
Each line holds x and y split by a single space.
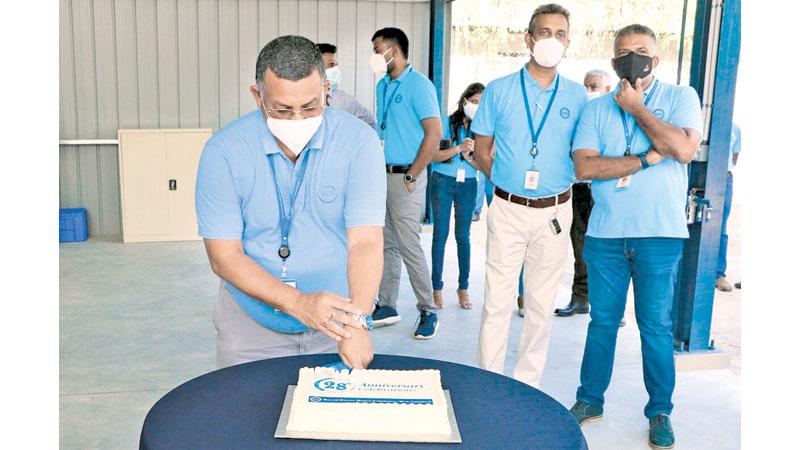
451 169
654 205
502 114
401 105
344 187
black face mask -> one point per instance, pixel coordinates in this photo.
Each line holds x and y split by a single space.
632 66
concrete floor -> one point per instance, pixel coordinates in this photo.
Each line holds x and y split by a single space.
135 322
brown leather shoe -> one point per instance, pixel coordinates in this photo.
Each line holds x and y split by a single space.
723 285
437 299
463 299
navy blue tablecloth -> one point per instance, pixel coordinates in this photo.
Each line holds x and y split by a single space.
238 408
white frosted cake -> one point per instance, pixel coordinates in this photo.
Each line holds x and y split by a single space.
386 402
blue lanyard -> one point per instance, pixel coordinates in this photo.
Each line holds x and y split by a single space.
535 135
386 105
286 219
631 136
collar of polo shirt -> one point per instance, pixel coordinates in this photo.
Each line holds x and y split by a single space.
402 76
529 80
270 145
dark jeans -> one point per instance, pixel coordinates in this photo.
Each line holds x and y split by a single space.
581 208
445 192
722 260
653 265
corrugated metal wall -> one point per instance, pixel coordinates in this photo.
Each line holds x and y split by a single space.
188 64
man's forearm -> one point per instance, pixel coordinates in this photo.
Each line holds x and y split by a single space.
429 147
668 140
250 278
364 271
483 154
606 168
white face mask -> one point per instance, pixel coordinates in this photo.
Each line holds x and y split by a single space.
294 134
470 109
378 64
595 94
334 76
548 52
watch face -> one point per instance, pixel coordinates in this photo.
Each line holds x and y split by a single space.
368 323
409 178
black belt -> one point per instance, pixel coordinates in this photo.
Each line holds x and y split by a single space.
397 169
544 202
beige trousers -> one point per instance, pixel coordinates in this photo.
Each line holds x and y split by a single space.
518 234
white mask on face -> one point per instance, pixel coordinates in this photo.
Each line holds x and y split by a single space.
470 109
378 64
294 134
334 76
548 52
595 94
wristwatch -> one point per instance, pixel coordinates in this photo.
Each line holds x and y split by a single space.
409 178
643 159
365 320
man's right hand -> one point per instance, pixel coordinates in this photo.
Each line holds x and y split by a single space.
465 147
653 157
322 310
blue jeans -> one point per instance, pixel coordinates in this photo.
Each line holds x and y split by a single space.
485 189
653 265
445 192
722 260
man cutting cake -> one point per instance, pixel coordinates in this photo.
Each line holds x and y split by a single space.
290 204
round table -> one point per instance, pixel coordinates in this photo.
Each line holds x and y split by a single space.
239 407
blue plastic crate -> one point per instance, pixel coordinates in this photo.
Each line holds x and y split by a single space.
72 225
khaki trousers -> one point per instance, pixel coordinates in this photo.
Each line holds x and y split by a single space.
517 235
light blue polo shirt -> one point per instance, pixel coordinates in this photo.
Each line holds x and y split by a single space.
654 205
401 105
451 169
736 144
502 114
344 187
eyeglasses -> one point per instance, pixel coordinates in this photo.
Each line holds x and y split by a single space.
288 113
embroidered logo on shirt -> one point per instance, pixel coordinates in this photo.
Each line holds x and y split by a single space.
659 113
327 193
564 113
398 98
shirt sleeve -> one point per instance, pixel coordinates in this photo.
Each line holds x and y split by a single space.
686 111
425 103
358 110
218 206
483 123
586 133
583 101
365 197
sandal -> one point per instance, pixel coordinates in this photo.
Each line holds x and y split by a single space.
437 299
463 299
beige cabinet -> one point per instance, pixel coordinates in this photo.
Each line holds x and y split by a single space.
157 171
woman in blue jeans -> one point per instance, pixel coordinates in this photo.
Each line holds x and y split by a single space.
453 182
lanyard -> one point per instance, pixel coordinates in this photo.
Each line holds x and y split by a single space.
286 218
631 136
535 135
385 108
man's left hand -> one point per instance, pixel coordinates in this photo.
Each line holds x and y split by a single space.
357 351
630 98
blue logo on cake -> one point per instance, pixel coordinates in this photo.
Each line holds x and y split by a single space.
659 113
331 384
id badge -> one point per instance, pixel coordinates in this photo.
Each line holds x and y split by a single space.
532 179
461 176
624 182
290 281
